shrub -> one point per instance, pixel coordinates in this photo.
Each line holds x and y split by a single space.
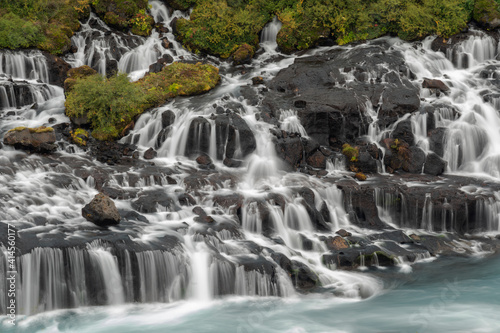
109 104
112 104
486 12
218 29
16 32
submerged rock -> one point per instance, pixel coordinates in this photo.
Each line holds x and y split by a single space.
101 211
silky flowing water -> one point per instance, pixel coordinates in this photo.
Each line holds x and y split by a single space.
199 286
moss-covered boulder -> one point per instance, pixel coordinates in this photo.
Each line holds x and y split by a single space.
39 139
487 13
109 105
243 55
179 79
79 136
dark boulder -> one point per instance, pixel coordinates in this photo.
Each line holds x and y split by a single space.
234 138
434 165
336 243
303 277
404 132
257 80
162 62
58 69
317 160
150 154
415 161
437 139
332 109
343 233
204 160
202 215
153 201
199 136
290 150
435 84
101 211
167 118
232 163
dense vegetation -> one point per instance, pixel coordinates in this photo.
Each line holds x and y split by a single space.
220 27
49 24
110 104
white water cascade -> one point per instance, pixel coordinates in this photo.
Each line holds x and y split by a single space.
239 224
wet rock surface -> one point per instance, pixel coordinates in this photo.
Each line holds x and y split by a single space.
101 211
330 92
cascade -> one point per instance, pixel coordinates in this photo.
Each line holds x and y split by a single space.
268 35
266 230
26 65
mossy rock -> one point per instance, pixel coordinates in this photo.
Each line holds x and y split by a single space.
80 136
243 55
360 176
109 105
486 13
352 153
179 79
41 129
40 139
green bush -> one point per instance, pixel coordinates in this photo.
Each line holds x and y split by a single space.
109 104
16 32
125 14
487 12
216 28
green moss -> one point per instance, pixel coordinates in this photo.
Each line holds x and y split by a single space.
181 4
74 74
41 129
18 129
179 79
486 13
243 54
216 28
16 32
125 14
111 104
352 153
80 136
47 25
360 176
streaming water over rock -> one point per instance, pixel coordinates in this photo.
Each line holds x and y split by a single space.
269 207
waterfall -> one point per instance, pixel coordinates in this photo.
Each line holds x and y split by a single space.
240 225
27 65
268 35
